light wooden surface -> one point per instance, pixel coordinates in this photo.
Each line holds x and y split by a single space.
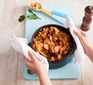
11 62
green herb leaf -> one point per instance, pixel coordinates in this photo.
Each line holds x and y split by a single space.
30 11
21 18
34 16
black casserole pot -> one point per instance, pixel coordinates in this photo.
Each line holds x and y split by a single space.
59 63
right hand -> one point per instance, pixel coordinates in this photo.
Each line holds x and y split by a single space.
86 45
83 39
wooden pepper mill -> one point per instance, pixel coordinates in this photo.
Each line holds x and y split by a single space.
87 19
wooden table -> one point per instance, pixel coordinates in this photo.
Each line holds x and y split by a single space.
11 64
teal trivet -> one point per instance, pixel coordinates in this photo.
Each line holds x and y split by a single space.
70 70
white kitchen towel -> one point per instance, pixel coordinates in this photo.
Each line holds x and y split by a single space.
79 54
20 45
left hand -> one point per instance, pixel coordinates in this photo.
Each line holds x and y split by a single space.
35 65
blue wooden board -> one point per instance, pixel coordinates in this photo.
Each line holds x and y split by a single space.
71 70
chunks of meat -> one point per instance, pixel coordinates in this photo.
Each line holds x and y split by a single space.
52 43
46 46
56 48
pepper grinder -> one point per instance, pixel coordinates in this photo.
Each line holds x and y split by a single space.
87 19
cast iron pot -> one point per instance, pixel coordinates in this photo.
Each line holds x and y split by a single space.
60 63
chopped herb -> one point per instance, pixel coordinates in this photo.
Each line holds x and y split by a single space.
32 16
30 11
21 18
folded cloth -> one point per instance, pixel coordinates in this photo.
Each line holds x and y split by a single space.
20 45
79 52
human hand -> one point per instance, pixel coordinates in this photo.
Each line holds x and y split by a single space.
83 38
35 66
88 48
84 41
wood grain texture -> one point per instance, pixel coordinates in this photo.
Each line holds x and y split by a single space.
11 62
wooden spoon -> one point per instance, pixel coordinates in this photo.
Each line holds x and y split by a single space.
37 7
